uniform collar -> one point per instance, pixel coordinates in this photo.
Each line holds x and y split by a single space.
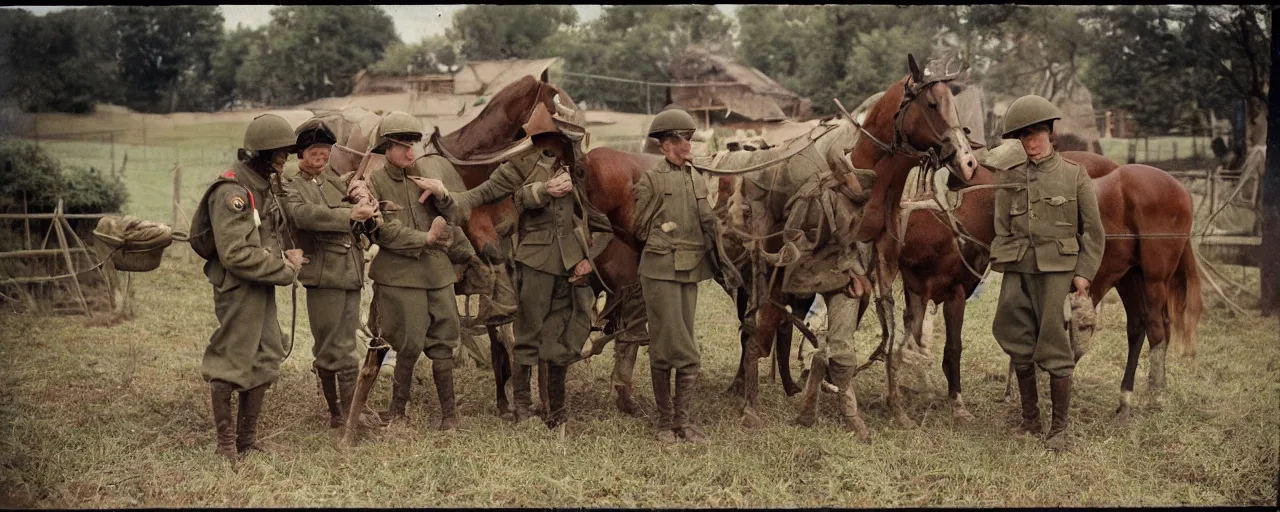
1045 163
671 167
394 172
249 177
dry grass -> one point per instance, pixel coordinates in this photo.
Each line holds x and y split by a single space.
118 416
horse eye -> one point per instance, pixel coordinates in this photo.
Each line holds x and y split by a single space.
933 106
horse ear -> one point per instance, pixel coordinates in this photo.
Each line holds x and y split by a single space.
916 75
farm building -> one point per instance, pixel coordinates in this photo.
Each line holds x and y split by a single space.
734 88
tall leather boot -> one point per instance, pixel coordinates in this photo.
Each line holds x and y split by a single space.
555 395
847 401
223 419
402 382
522 392
686 383
442 374
247 420
662 398
1060 391
1030 402
329 385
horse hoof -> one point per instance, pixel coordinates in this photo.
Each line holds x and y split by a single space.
806 420
735 389
792 390
751 420
962 415
901 421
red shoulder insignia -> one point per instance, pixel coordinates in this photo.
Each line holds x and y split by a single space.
230 174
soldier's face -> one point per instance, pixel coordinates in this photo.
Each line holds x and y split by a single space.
314 159
1035 141
677 149
278 159
400 155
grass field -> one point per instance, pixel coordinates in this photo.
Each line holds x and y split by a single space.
118 416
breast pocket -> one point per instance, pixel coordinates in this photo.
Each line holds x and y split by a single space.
1060 214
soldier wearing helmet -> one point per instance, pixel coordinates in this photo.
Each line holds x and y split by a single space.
413 273
240 228
329 225
1049 241
553 318
674 220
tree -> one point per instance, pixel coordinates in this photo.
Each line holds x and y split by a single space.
312 52
63 61
635 42
227 62
423 57
495 32
163 54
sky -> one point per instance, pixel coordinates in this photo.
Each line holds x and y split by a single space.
413 22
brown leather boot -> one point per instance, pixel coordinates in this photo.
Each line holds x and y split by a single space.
223 419
809 400
662 398
1030 402
555 395
847 401
686 383
401 383
329 385
442 374
1060 392
522 392
247 420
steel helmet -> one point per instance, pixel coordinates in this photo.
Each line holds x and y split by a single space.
401 125
267 132
673 119
1026 111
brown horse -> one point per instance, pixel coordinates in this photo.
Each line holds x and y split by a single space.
1151 274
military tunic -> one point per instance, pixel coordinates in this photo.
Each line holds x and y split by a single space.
553 319
1048 231
248 229
334 274
675 258
413 281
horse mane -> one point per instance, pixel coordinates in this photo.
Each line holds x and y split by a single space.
495 127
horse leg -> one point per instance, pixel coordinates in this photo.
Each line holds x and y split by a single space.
767 318
894 395
744 337
1157 327
624 369
953 315
501 362
1131 291
783 348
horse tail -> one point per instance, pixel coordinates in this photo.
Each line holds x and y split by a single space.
1185 303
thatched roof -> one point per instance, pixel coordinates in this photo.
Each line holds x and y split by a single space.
751 94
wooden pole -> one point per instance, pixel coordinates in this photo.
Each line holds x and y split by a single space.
26 222
113 154
177 192
66 255
81 248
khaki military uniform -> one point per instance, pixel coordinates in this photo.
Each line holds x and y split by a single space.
249 229
554 317
413 282
1048 230
673 262
334 273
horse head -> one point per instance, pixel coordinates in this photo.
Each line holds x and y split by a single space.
929 119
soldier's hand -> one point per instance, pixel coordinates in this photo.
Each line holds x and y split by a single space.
1081 285
359 191
559 185
582 268
430 186
440 233
362 212
293 258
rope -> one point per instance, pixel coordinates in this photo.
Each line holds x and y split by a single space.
16 282
812 140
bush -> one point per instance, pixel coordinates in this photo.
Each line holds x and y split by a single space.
27 170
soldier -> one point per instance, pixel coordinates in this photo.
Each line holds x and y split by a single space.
239 227
1049 240
674 220
553 257
413 274
328 226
